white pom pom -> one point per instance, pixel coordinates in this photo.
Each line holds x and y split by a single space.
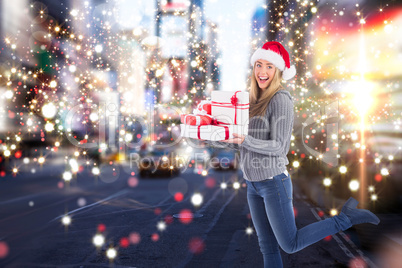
288 73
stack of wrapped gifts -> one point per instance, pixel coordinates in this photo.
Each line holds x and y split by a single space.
226 113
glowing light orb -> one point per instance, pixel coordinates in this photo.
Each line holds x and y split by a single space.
333 212
101 227
161 226
66 220
129 137
98 48
224 185
134 238
124 242
343 169
137 31
388 28
7 153
67 176
155 237
41 160
210 182
159 73
249 230
204 173
374 197
95 171
9 94
15 170
178 197
49 127
111 253
236 185
74 165
98 240
132 182
196 245
296 164
81 202
327 182
354 185
49 110
3 249
371 188
93 116
72 68
196 199
26 160
384 172
53 84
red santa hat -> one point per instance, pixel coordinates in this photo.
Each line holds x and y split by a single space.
276 54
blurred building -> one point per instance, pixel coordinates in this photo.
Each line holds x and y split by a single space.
213 59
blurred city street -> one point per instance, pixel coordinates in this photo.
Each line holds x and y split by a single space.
97 171
215 236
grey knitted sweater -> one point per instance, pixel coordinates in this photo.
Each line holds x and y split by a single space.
263 153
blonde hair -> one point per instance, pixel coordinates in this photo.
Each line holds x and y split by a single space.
259 99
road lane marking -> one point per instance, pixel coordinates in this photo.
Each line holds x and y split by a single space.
204 207
339 242
22 198
350 242
93 204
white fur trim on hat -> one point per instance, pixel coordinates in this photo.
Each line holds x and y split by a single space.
270 56
288 73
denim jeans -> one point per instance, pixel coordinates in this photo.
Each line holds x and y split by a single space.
271 207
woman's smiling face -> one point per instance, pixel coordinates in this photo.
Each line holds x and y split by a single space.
264 73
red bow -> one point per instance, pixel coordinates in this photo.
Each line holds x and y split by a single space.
233 99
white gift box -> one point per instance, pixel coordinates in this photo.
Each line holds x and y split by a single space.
212 132
231 107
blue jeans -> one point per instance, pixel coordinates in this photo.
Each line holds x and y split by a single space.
271 207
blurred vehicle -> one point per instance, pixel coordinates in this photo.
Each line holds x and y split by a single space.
159 162
224 160
199 157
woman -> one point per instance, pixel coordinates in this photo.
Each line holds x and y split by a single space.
263 161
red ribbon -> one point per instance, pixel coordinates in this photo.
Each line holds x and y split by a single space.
233 104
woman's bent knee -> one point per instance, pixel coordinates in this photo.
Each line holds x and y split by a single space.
289 247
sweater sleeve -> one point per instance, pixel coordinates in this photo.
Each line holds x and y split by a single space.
281 107
223 144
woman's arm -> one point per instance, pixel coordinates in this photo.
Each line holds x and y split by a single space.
281 128
223 144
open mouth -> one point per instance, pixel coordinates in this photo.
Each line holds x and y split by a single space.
263 79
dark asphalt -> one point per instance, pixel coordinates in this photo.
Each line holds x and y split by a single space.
31 207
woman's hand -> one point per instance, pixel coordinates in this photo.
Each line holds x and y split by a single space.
237 139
